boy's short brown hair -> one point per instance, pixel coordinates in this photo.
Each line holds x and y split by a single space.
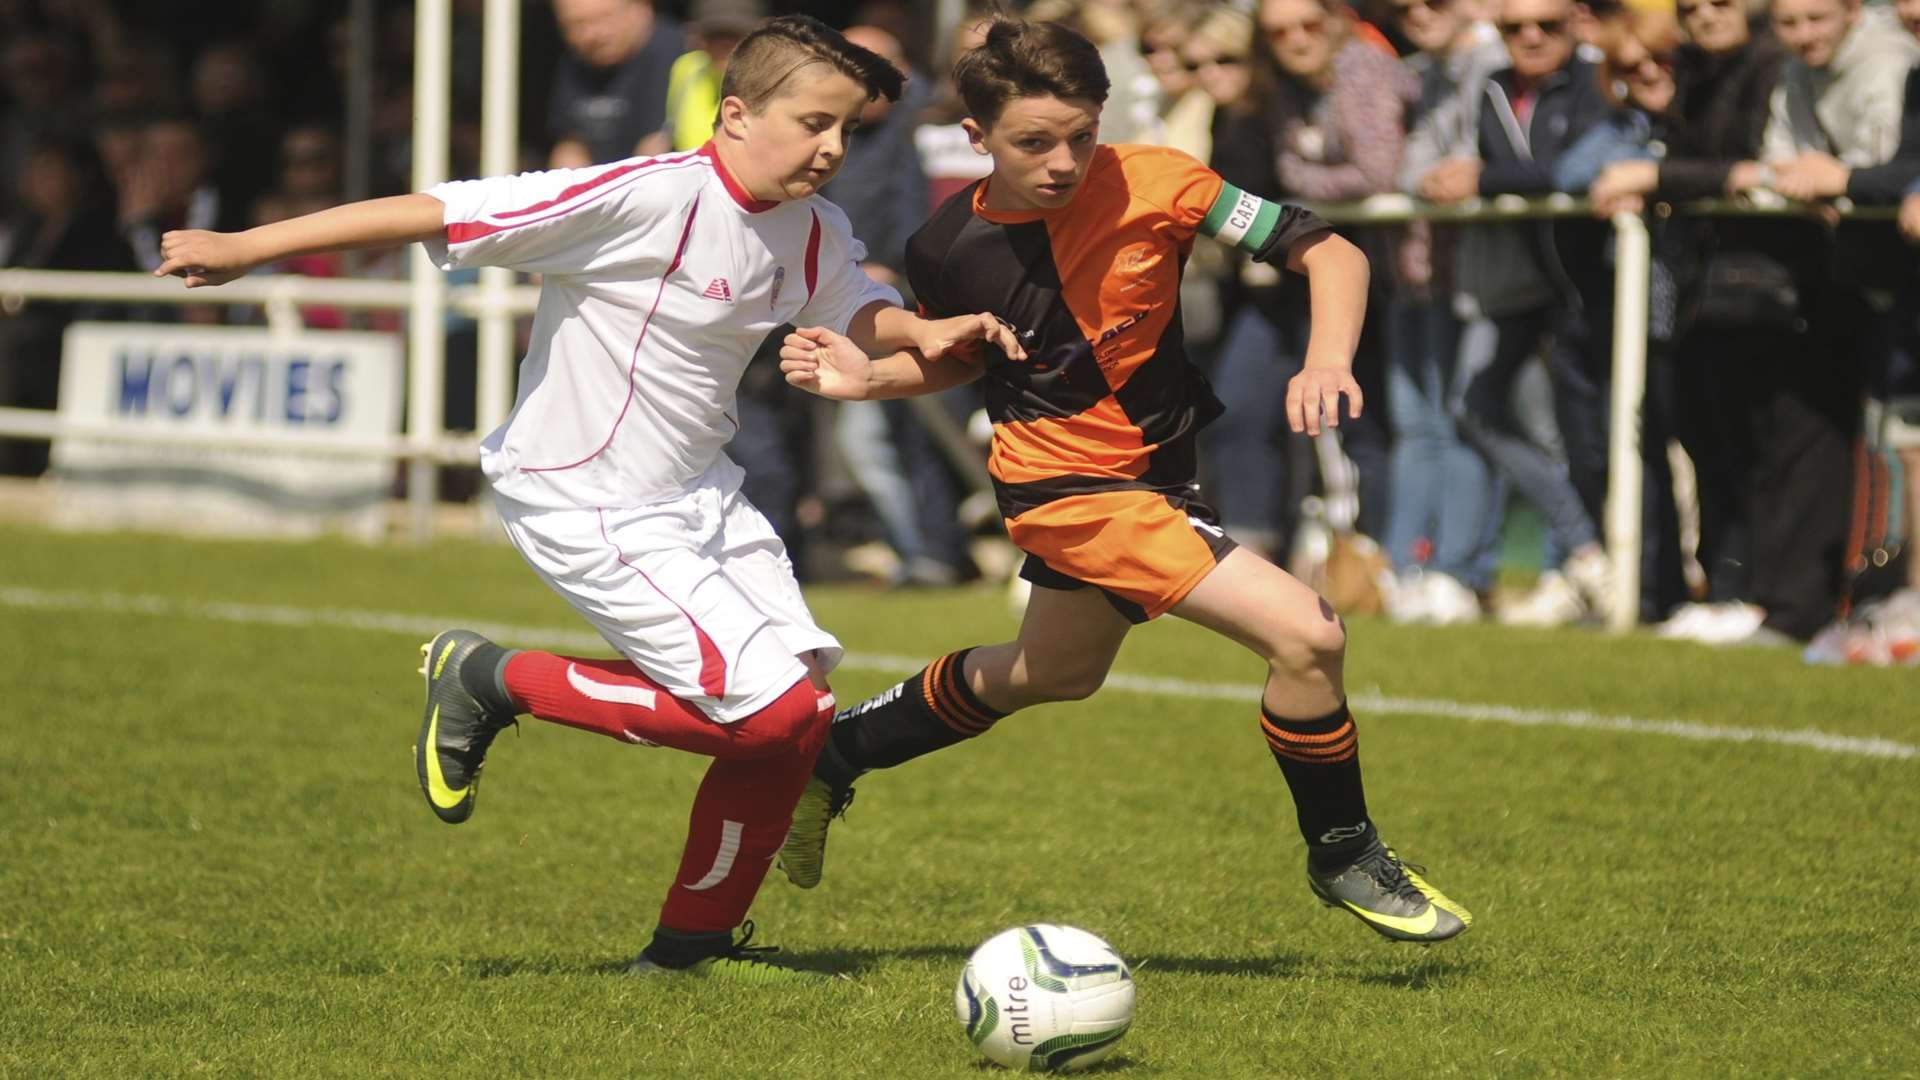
1028 59
767 59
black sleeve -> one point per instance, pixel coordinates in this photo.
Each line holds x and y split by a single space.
1883 185
1693 178
1295 224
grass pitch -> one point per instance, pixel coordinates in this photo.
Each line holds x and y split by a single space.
214 858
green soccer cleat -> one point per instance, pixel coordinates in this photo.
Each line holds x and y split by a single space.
1391 897
750 965
455 730
804 855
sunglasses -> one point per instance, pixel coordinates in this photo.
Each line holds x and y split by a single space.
1688 11
1310 27
1547 27
1217 61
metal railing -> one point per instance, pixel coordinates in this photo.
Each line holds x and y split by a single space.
495 301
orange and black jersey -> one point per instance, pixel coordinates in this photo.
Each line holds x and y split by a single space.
1106 399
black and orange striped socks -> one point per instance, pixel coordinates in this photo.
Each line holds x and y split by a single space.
933 709
1320 759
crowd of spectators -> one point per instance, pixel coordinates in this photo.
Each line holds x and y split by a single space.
1487 356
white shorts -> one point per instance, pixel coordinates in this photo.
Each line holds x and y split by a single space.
698 592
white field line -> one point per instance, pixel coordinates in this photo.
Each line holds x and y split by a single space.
1243 693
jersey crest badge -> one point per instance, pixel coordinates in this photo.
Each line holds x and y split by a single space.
718 289
779 279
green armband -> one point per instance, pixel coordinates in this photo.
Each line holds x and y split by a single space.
1241 220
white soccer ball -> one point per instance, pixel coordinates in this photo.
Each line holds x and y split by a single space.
1045 998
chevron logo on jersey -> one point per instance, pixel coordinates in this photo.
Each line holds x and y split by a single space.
718 289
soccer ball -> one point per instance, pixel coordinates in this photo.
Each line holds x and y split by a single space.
1045 998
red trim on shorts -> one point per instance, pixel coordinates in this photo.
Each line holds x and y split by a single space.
461 232
633 362
713 666
813 255
740 195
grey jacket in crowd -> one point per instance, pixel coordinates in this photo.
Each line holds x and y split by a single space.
1490 269
1851 108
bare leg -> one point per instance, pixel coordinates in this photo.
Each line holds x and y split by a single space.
1288 625
1067 643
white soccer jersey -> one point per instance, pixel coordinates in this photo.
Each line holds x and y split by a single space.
660 278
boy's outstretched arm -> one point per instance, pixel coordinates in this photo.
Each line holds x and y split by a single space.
214 258
832 365
1337 276
1274 232
883 328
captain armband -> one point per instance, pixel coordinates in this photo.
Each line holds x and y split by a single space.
1262 229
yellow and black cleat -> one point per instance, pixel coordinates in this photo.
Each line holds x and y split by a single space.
455 729
1391 897
804 855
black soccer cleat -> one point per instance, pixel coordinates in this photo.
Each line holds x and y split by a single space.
455 729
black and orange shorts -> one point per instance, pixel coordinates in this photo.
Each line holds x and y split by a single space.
1145 550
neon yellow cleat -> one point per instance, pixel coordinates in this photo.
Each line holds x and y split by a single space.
804 855
737 962
455 729
1391 897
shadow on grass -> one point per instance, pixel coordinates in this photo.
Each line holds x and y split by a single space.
1412 973
857 961
1264 966
1420 973
1104 1067
489 967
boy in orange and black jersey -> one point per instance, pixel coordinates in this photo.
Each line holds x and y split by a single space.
1079 248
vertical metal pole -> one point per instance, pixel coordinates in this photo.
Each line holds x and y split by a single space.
426 315
1632 277
946 23
499 152
359 120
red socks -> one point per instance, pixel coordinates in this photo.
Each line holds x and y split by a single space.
740 817
741 813
613 698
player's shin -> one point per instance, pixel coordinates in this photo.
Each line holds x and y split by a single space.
932 710
1320 758
739 818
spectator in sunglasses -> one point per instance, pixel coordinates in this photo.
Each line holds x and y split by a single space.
1530 114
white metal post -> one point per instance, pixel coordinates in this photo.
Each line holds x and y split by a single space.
1632 276
426 316
499 154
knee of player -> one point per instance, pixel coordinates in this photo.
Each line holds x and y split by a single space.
1312 643
1071 684
797 719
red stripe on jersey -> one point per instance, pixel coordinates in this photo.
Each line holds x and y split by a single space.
740 195
713 666
633 362
813 255
461 232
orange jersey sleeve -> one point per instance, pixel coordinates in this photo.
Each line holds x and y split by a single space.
1176 182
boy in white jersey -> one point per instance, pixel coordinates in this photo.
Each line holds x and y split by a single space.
660 277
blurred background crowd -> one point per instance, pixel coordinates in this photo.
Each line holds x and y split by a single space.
1782 347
